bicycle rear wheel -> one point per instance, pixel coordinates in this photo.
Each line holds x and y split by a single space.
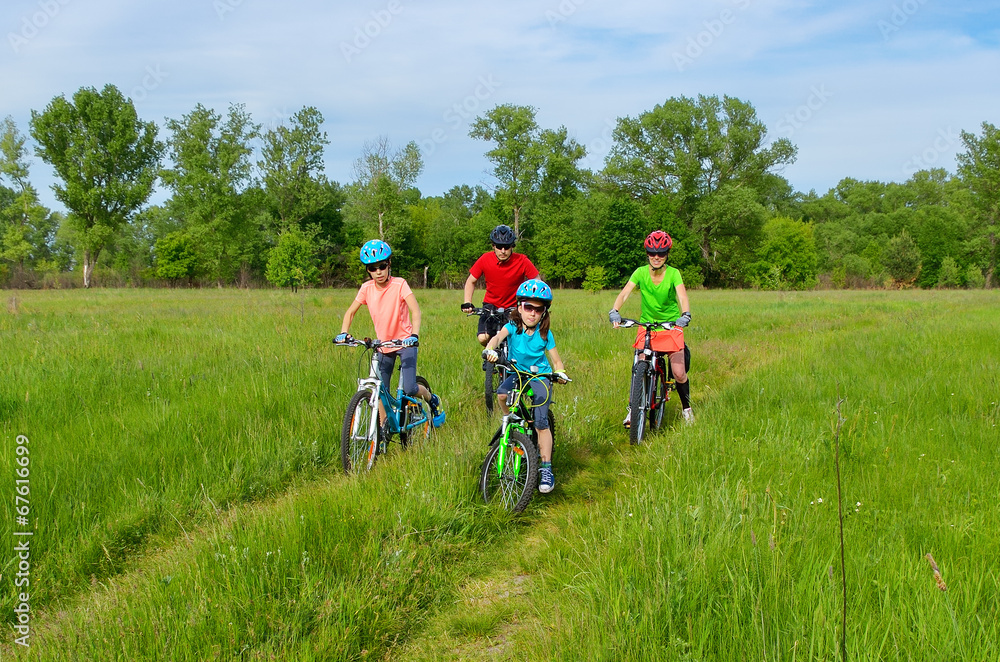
510 473
638 401
492 377
358 448
414 412
657 401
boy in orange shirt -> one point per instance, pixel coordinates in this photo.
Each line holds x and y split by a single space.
391 303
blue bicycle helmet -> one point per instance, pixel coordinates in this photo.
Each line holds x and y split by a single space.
374 251
503 235
535 289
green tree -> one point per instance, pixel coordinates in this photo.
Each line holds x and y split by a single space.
979 168
175 257
518 155
948 274
384 180
211 178
786 256
292 262
621 236
729 226
292 167
691 148
107 158
902 258
26 226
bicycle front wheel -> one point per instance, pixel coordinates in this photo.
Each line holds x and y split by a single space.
638 401
510 473
359 445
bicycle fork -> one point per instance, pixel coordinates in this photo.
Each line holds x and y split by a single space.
506 448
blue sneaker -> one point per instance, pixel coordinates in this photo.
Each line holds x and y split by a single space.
547 481
437 414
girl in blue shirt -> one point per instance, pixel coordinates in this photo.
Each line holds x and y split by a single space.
528 340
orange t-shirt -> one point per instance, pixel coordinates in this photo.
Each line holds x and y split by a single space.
388 308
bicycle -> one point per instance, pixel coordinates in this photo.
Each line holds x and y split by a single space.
652 381
362 438
494 373
510 470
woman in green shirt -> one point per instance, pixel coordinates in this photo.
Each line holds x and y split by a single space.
664 299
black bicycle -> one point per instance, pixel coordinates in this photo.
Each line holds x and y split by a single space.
652 381
493 373
510 471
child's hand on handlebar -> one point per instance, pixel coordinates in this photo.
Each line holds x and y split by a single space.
562 378
467 307
491 355
342 337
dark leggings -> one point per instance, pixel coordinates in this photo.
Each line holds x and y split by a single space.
407 369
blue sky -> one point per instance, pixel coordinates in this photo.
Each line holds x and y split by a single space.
871 90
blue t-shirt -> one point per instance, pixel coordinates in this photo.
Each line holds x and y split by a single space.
528 350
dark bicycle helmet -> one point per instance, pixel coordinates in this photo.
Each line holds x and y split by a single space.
535 289
503 235
658 241
374 251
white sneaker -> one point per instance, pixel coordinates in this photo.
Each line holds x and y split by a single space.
688 416
628 417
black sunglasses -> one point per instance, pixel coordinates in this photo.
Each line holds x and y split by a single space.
664 254
504 247
378 266
533 309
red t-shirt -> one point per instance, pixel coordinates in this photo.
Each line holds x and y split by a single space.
502 278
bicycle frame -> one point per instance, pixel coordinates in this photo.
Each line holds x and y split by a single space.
519 417
657 361
396 405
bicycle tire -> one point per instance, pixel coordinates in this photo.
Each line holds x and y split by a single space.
514 488
355 445
638 400
658 401
415 411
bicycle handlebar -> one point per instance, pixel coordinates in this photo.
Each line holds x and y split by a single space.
484 312
627 323
512 365
372 344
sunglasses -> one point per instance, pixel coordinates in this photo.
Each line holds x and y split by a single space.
378 266
533 309
503 247
648 254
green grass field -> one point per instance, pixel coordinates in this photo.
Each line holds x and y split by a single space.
187 502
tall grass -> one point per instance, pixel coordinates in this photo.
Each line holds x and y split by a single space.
188 502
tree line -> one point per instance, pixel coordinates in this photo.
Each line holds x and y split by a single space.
250 204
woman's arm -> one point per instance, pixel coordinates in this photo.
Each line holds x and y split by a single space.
682 299
624 295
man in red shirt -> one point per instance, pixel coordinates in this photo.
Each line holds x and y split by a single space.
505 270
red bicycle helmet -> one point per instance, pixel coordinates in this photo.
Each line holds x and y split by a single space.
658 241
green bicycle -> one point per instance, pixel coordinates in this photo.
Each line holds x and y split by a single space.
509 474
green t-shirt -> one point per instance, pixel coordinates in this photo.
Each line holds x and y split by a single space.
659 302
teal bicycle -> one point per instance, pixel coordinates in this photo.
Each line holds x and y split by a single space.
509 476
362 438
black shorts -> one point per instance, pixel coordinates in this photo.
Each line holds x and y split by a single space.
491 324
